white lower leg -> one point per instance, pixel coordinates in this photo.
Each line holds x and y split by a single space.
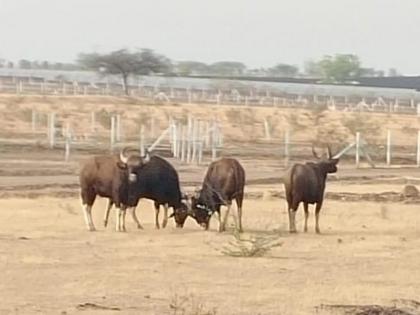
123 212
117 219
87 211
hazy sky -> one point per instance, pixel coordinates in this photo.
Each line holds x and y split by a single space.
384 33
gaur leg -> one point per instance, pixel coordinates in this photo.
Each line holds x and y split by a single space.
317 210
157 215
292 216
225 218
120 219
87 210
108 209
136 220
165 215
88 198
305 207
117 219
219 217
123 212
239 200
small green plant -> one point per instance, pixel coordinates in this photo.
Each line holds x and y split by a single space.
189 305
251 246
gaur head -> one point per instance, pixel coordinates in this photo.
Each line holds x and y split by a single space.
329 164
181 213
200 209
132 161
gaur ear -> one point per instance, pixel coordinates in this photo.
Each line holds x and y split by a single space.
122 165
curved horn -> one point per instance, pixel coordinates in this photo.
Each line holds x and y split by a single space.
123 157
329 151
314 153
146 157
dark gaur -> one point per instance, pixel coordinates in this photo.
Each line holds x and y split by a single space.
224 181
157 180
306 183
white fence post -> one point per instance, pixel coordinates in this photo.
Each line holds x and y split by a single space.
418 148
183 143
118 128
267 129
199 142
357 149
142 151
189 138
51 129
174 139
388 148
33 120
112 135
194 141
68 143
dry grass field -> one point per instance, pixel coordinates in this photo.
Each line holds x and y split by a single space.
368 252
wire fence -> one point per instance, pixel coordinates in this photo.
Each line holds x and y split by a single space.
408 103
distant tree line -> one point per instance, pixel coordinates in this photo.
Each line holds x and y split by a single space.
338 68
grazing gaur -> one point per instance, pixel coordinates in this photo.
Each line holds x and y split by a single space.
109 176
224 181
157 180
306 183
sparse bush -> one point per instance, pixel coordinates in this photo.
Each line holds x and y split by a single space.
253 246
189 305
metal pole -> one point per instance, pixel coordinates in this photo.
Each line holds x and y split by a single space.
194 141
388 148
174 139
357 149
189 139
418 148
68 142
142 151
112 135
33 120
267 129
52 130
183 143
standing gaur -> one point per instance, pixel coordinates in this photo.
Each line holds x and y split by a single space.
109 176
306 183
224 181
158 181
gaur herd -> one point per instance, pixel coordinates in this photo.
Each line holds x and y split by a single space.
127 177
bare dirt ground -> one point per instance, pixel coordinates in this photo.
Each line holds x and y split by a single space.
368 253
